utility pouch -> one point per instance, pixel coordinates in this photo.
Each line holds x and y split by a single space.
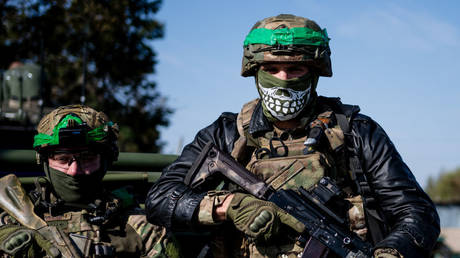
291 172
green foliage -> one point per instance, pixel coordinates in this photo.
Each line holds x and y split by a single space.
115 37
445 189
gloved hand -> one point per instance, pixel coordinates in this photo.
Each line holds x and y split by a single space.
19 241
386 253
258 219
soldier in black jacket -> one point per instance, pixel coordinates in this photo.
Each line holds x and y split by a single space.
291 137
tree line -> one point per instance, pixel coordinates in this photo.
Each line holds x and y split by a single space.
445 188
101 44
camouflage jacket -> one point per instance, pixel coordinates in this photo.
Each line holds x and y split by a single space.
409 213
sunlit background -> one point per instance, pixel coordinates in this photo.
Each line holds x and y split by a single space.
397 60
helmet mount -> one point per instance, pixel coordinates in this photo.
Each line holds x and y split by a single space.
76 126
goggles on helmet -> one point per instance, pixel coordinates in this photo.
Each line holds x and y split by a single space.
77 135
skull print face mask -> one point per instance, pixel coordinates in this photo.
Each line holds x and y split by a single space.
283 99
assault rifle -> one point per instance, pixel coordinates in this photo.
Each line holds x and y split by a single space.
325 230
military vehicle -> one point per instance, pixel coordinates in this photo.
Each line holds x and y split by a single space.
21 107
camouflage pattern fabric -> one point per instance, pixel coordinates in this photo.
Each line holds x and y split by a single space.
334 134
287 173
154 238
76 223
387 253
290 172
211 200
283 251
356 217
138 236
151 240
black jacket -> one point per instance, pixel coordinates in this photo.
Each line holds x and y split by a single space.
409 212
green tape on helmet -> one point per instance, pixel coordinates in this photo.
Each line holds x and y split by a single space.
97 134
287 36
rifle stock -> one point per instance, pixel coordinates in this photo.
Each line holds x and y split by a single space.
322 225
212 161
15 201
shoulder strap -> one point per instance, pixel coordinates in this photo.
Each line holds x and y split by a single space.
240 149
343 122
374 219
244 117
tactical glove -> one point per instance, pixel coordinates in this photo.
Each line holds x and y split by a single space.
258 219
19 241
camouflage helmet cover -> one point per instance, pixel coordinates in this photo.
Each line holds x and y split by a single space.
99 131
287 38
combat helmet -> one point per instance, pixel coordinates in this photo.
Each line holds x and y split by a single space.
76 126
287 38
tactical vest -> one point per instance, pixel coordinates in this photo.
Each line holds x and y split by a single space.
282 159
302 156
95 231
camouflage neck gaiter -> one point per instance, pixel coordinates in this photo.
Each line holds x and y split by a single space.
76 189
284 99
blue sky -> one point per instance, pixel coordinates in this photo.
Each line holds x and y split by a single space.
397 60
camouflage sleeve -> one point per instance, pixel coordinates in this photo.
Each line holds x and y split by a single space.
211 200
155 238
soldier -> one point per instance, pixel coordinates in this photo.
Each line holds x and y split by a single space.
76 144
292 137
